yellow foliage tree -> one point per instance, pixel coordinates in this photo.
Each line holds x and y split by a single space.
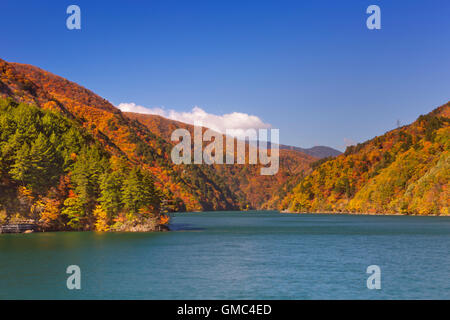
164 219
50 213
102 219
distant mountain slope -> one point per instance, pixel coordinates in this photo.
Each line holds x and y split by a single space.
160 126
406 170
244 181
164 127
317 151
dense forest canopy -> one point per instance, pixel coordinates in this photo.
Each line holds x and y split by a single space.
54 172
406 170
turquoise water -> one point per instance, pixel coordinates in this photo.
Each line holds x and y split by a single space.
237 255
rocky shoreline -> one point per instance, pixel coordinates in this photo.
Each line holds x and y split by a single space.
147 226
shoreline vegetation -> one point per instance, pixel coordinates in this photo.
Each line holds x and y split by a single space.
368 213
154 225
54 173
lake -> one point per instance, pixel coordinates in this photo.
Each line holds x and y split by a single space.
237 255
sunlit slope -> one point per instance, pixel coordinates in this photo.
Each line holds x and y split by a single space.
245 181
405 170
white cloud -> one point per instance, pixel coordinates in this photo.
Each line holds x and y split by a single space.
236 121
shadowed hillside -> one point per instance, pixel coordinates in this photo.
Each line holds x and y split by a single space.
317 151
252 189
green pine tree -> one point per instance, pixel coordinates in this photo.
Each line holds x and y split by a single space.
110 189
132 191
21 170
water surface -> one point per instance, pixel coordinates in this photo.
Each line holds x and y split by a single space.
236 255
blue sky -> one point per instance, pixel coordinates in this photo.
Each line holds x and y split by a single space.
310 68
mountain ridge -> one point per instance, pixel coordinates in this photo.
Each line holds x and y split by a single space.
315 151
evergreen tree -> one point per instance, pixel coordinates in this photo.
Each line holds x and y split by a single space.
151 197
139 193
45 168
132 191
21 170
110 189
73 209
88 168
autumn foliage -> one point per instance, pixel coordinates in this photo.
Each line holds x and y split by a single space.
406 170
70 160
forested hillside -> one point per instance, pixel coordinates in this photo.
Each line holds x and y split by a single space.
121 146
406 170
186 187
54 172
252 189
